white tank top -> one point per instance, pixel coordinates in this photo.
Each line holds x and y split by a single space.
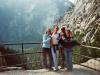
55 39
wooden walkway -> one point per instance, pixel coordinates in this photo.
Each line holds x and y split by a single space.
78 70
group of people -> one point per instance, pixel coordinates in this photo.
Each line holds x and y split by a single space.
57 48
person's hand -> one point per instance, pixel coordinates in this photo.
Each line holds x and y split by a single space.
63 37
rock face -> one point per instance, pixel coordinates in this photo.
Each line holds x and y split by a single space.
93 63
84 21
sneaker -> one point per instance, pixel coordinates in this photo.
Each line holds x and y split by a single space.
56 70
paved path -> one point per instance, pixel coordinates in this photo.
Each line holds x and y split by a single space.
78 70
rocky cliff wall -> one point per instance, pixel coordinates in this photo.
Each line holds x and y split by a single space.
84 21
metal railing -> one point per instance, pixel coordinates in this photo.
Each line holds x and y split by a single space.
22 54
39 52
94 62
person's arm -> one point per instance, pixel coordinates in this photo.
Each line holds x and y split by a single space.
45 39
51 42
63 37
71 34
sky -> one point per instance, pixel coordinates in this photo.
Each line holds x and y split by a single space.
72 1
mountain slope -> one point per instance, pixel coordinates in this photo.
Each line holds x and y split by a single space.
26 20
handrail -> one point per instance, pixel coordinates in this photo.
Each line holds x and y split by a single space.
91 47
21 43
86 56
41 43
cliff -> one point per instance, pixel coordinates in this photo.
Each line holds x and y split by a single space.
84 21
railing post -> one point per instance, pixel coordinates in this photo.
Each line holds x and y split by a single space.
23 66
22 49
